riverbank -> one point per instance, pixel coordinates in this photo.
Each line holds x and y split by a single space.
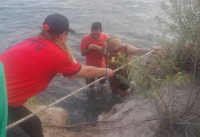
137 117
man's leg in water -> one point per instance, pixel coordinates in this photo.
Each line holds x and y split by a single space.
103 81
88 81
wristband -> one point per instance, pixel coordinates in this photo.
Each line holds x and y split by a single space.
106 72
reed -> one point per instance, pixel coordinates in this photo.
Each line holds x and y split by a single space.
176 64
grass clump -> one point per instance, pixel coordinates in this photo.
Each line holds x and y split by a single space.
172 67
32 103
179 55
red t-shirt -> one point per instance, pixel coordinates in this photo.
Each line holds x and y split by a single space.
31 65
94 58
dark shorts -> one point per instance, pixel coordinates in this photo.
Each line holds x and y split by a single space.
31 127
124 86
116 84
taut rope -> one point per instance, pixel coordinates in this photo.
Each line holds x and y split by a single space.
69 95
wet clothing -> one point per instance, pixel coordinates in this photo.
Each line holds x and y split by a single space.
88 81
94 58
31 65
116 83
3 103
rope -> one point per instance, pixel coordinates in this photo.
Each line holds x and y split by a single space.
133 61
69 95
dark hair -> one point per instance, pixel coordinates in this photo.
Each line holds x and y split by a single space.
96 26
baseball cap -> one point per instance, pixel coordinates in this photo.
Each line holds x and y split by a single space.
58 23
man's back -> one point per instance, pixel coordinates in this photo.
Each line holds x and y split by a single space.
30 66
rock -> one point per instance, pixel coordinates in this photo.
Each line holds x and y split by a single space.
137 117
129 119
53 116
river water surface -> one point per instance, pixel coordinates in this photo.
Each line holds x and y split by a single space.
131 20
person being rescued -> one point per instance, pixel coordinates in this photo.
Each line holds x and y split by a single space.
112 48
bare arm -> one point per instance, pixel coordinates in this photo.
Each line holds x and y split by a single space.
84 47
93 47
92 72
85 52
59 74
137 51
97 48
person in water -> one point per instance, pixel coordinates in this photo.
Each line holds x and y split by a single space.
32 64
112 48
93 57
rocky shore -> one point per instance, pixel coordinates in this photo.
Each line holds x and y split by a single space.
137 117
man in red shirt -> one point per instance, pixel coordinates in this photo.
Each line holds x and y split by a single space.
93 57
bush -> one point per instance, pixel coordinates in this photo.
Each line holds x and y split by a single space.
180 47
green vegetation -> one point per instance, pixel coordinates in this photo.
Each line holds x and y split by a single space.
175 65
32 103
120 60
178 61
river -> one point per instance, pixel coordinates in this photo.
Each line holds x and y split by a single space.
131 20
